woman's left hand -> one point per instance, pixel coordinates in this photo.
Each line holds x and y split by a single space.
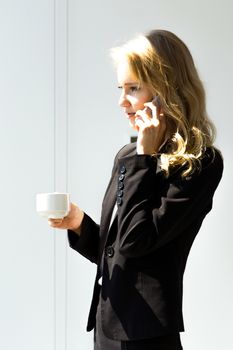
151 125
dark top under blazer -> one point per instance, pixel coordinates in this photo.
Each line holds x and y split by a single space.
143 255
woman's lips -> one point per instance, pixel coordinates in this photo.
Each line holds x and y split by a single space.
130 115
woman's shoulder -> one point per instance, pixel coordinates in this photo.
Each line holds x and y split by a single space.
212 157
209 165
210 169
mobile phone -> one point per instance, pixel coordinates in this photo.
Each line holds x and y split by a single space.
156 101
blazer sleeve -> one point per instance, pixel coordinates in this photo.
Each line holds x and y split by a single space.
153 210
87 243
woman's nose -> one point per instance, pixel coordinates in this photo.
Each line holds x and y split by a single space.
123 101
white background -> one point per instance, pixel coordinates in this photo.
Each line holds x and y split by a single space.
60 126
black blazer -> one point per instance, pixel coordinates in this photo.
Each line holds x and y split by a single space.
142 256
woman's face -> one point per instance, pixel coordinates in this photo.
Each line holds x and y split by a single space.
133 94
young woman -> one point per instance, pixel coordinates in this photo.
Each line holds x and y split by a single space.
160 190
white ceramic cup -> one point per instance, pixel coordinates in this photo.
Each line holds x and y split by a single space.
53 205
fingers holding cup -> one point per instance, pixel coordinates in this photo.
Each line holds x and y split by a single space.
55 222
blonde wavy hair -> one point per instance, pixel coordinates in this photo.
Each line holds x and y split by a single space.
163 62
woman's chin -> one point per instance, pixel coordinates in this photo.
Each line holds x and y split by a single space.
133 126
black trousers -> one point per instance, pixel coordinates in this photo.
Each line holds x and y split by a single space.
101 342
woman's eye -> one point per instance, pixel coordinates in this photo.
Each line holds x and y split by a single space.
130 89
134 88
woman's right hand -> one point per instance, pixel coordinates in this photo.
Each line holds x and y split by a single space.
72 221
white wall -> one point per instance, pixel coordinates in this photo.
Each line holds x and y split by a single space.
26 148
61 125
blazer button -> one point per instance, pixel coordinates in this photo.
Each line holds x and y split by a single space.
119 200
109 251
121 177
123 169
120 185
120 193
